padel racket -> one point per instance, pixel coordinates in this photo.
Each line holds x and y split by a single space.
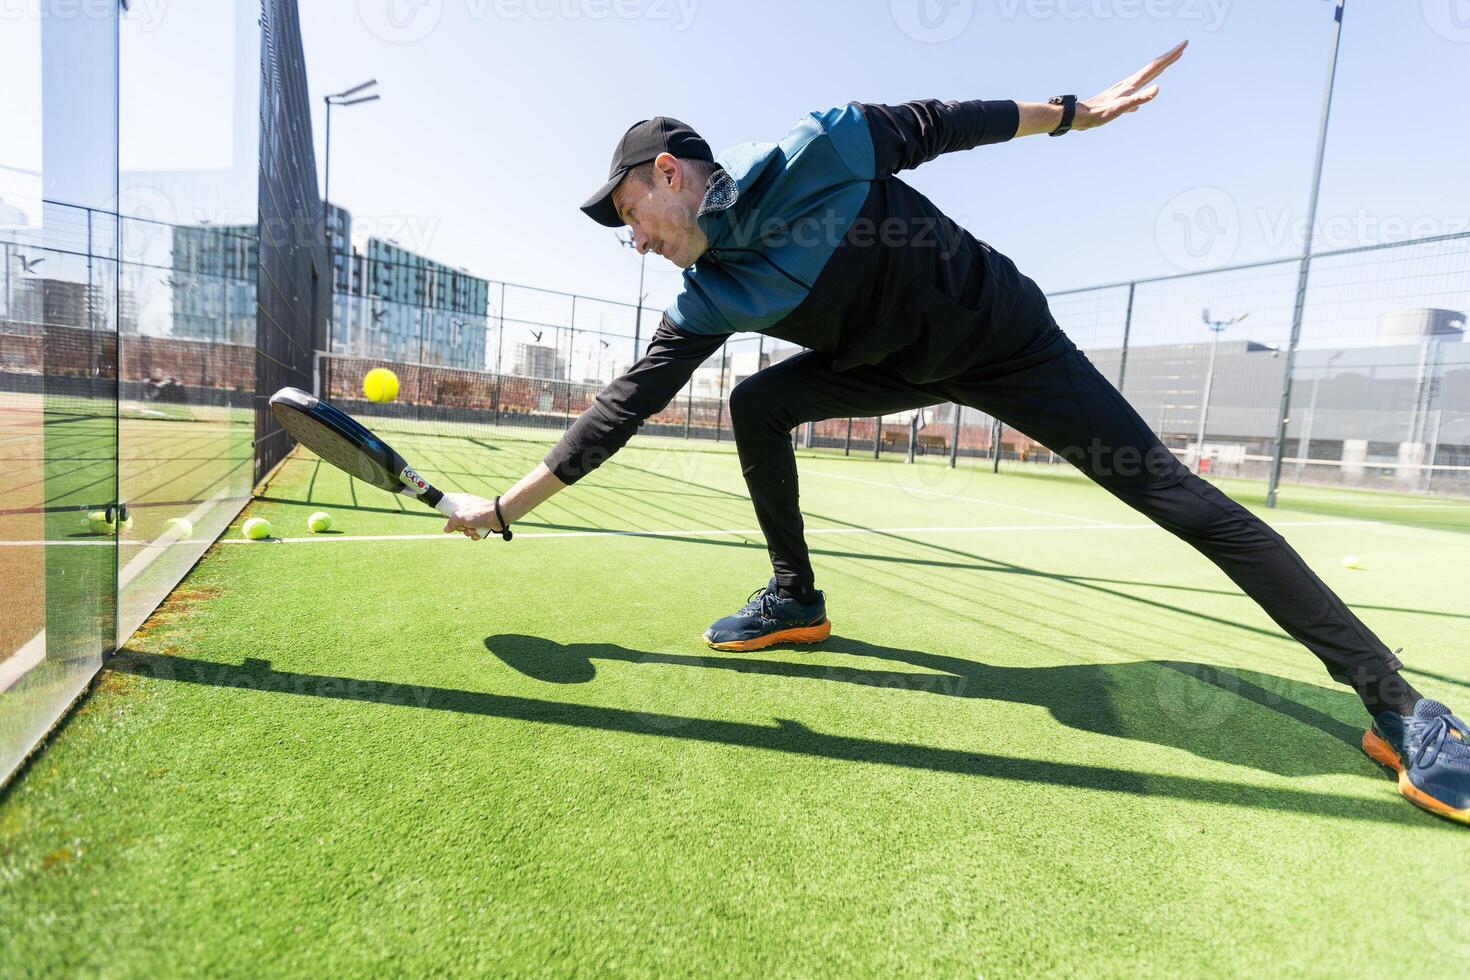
347 444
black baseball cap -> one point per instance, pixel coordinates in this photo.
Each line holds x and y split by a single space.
641 143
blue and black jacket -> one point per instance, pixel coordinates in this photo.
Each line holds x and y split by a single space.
813 240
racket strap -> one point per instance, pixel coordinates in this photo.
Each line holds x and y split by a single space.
504 524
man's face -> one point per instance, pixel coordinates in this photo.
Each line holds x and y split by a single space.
661 216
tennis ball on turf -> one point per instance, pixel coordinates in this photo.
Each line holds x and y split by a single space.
380 385
180 526
98 522
1351 561
256 529
319 522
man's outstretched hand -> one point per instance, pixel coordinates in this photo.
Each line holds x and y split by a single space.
471 513
1128 95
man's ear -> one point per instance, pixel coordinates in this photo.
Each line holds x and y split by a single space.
667 167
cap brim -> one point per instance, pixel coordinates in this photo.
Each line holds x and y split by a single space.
599 206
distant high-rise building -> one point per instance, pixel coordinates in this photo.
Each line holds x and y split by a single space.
392 303
538 361
213 282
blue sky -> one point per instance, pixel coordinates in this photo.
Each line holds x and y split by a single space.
498 118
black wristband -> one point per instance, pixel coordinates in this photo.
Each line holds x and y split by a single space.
504 524
1069 113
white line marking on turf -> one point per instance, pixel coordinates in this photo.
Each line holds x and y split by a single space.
732 532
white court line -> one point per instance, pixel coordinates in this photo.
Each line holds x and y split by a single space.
737 532
955 496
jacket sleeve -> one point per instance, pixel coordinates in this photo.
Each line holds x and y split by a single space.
627 401
907 135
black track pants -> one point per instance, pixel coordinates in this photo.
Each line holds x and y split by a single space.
1067 405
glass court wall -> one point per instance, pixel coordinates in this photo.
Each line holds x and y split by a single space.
128 186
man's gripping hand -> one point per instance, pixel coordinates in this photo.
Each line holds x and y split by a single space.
471 514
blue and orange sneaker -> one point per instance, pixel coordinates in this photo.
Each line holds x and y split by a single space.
1430 751
767 619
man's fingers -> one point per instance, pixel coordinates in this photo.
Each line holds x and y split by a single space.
1154 68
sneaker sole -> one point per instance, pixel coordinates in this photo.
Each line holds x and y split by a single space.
1382 753
802 634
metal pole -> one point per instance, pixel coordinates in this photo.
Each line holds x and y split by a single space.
327 223
995 446
1283 415
847 445
1304 449
1127 329
638 316
913 435
1433 450
571 348
499 352
810 429
1204 408
689 409
877 436
954 441
720 402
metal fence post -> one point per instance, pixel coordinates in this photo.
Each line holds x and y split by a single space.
689 409
720 402
913 436
877 436
1283 414
810 429
1127 329
499 353
847 445
954 442
995 445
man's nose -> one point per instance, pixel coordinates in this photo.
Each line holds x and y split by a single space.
642 241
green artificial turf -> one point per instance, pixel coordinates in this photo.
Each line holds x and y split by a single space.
1043 739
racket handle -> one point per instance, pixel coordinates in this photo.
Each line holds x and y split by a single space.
445 507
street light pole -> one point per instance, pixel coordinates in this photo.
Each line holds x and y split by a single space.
1217 327
638 313
351 96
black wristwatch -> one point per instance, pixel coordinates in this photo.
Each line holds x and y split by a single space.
1069 113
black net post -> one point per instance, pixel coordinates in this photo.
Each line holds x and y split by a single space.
954 438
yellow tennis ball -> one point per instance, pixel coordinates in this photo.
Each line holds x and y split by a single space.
1351 561
180 526
319 522
380 385
98 522
256 529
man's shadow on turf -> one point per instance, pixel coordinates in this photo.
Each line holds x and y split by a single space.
1245 718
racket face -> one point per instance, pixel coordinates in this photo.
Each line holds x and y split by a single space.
341 440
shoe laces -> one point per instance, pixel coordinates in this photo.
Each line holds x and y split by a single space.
761 601
1440 730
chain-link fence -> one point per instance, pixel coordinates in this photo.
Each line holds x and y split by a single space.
1380 389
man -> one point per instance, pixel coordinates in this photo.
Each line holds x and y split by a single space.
815 241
